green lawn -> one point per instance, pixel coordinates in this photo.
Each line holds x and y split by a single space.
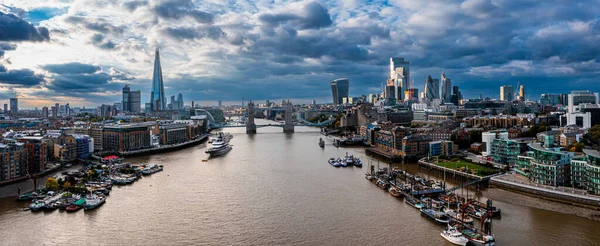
481 170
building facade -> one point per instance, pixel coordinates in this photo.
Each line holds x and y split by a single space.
121 138
339 90
507 93
445 148
14 106
504 151
547 166
585 171
157 97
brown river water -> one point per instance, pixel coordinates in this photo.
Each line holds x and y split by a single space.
273 189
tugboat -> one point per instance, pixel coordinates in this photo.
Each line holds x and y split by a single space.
220 146
93 201
454 236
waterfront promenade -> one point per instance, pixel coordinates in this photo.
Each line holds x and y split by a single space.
163 148
577 197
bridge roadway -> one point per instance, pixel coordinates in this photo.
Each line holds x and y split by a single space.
266 125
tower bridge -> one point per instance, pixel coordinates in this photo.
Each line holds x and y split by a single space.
288 126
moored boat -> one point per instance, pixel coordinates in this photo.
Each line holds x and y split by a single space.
454 236
93 201
394 191
413 202
458 216
437 216
154 168
477 238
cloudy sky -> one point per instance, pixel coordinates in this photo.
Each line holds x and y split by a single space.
84 51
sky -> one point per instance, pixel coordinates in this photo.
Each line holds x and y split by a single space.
83 52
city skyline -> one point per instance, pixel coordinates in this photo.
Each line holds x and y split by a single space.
83 54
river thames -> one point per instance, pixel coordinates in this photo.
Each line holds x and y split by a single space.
272 189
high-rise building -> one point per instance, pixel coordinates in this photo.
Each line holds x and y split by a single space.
390 89
180 101
221 103
5 109
67 109
446 88
54 112
400 73
125 101
430 89
522 93
14 106
157 97
135 101
45 112
411 94
436 88
507 93
579 100
339 89
173 104
550 99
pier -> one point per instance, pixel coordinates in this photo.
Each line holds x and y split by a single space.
164 148
394 157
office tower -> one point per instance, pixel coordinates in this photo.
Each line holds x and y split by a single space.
339 89
157 97
446 88
430 88
54 112
456 96
147 107
507 93
400 73
390 89
411 94
5 109
180 101
577 114
125 101
45 112
14 106
522 93
436 88
135 101
67 109
172 104
550 99
57 108
221 104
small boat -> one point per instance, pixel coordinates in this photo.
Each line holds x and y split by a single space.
458 216
383 184
36 206
454 236
496 212
154 168
394 191
477 238
321 143
437 216
93 201
73 208
357 162
31 196
413 202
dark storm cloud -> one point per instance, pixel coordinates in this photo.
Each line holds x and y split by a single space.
182 33
315 16
102 42
178 9
13 28
71 68
19 77
80 83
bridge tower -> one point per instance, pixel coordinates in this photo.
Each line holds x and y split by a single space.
250 126
288 127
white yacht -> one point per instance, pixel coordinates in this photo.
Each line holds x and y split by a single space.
219 146
454 236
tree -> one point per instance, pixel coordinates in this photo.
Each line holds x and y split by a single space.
592 138
67 185
51 184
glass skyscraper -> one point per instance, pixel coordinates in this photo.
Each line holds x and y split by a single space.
157 97
339 89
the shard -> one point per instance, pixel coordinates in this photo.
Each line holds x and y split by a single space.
157 97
